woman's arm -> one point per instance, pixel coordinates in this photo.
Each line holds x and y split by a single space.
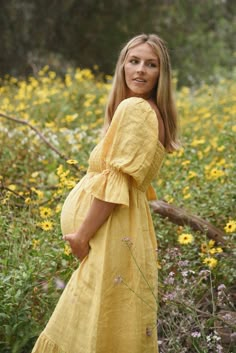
96 216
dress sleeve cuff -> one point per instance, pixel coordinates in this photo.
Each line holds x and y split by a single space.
110 185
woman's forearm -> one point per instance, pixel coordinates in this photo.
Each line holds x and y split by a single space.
96 216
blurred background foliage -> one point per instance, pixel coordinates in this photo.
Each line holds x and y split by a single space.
64 33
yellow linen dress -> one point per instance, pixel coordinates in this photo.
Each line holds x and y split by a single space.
109 304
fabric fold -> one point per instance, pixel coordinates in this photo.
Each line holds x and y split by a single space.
110 185
44 344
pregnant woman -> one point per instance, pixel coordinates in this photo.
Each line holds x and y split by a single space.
110 303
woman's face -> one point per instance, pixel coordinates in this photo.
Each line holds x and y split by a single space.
141 71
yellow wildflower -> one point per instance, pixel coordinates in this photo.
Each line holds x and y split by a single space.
4 201
60 170
221 148
67 250
12 187
185 238
180 229
191 174
87 73
187 196
222 162
52 75
35 174
68 80
71 161
70 118
168 198
219 250
186 162
185 190
211 262
28 201
207 149
39 193
50 124
35 243
58 208
204 247
230 227
200 154
46 225
197 142
98 112
211 243
69 184
209 248
45 212
215 173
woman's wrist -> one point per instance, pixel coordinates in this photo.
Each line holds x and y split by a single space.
82 236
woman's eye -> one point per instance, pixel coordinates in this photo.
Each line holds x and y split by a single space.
152 65
133 61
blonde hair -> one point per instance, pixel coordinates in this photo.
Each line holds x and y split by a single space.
164 96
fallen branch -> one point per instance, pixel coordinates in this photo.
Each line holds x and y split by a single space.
179 216
41 136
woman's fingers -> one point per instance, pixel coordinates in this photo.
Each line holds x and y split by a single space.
77 249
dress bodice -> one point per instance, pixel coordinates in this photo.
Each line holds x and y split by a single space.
96 164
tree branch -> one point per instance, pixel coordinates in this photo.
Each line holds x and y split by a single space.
12 191
41 136
179 216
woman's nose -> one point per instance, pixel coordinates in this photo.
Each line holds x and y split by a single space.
141 67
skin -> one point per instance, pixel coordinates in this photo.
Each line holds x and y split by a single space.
141 75
141 71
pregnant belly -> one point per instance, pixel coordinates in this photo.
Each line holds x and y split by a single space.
75 209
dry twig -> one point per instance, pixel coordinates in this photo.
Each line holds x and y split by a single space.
41 136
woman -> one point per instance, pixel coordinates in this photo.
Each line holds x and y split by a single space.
109 304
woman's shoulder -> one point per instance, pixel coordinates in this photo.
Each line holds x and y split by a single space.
137 108
136 111
135 102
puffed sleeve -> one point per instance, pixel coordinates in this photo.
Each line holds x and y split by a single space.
128 149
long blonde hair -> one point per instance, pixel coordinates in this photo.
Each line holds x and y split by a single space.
164 96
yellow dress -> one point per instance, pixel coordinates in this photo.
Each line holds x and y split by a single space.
109 304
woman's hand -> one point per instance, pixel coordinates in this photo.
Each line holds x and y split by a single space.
79 247
95 218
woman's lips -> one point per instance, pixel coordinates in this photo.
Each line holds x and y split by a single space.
139 80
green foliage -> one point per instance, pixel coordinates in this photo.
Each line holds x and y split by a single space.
35 263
